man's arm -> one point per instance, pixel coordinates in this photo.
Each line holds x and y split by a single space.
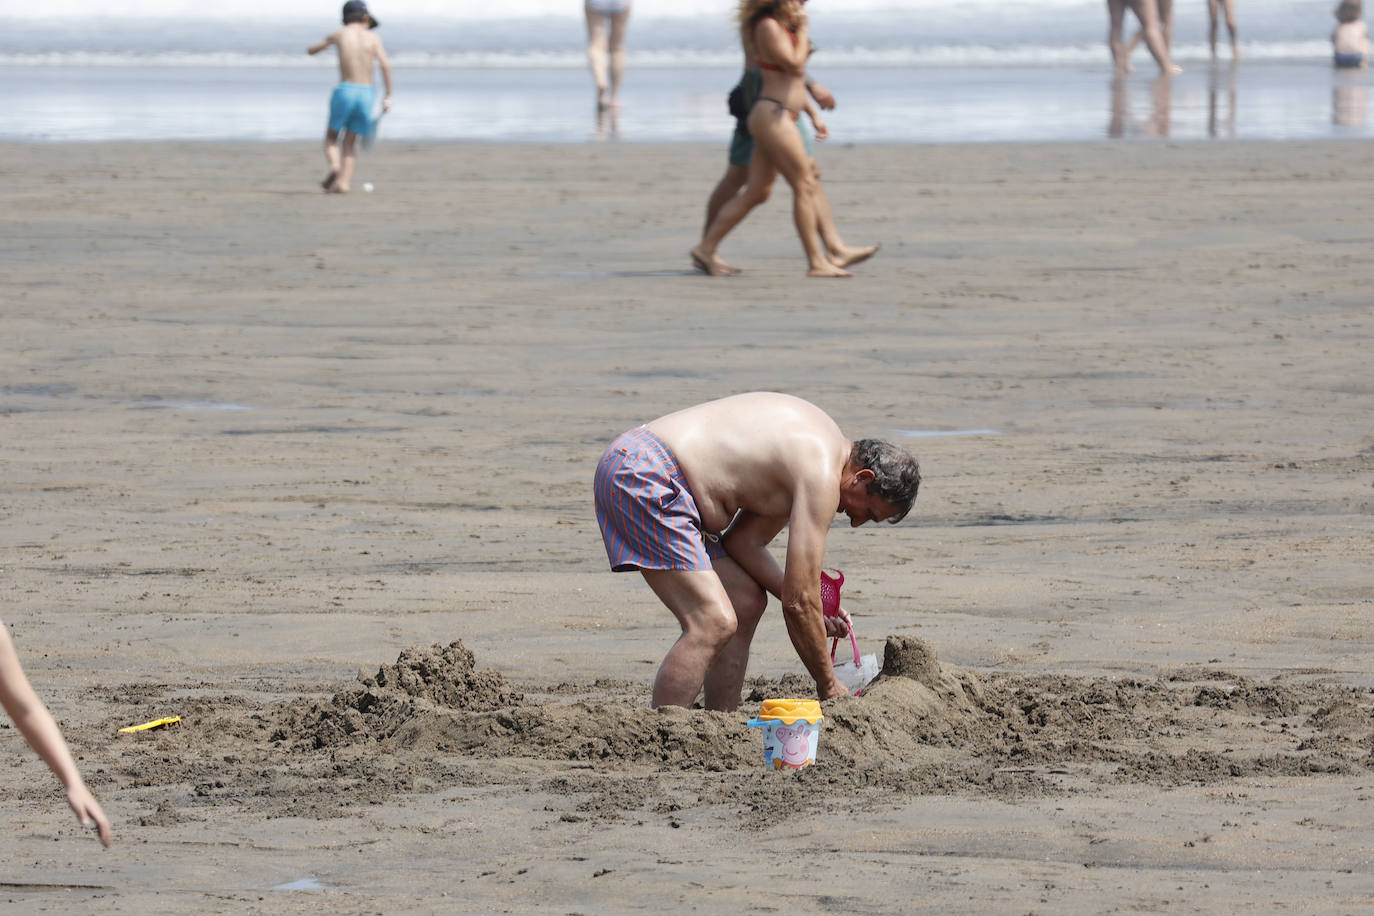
822 95
801 589
747 543
386 74
822 132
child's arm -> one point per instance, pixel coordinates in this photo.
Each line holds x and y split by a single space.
36 724
320 45
385 65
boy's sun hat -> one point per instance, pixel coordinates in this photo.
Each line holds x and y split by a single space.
356 11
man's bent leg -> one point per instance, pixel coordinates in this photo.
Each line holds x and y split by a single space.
725 678
702 607
729 185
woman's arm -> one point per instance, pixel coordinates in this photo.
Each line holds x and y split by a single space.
39 729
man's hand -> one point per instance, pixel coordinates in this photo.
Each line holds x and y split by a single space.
839 625
836 689
386 104
822 95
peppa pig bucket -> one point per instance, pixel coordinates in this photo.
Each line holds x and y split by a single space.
791 733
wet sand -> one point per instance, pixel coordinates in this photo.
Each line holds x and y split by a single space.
260 442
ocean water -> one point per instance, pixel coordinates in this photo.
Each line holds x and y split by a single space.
903 71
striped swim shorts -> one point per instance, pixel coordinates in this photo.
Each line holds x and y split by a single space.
648 517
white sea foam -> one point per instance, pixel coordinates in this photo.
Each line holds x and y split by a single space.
664 58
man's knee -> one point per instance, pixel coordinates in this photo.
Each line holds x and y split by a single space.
719 626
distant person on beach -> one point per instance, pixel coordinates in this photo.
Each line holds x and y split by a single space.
354 99
691 500
1166 30
1215 8
39 729
774 34
606 24
1350 41
1147 11
736 177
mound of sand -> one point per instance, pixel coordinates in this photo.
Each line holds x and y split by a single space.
433 719
387 702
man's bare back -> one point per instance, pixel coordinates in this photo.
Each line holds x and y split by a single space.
755 451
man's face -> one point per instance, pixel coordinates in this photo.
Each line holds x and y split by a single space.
860 505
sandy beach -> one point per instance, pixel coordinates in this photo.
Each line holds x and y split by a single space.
314 473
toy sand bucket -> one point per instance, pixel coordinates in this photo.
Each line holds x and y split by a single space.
791 733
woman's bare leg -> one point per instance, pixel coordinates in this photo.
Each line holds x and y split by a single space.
777 138
1215 9
1147 11
842 254
1116 14
597 53
617 48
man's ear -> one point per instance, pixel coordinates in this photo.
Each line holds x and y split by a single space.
865 475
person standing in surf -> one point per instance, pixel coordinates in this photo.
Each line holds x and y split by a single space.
353 100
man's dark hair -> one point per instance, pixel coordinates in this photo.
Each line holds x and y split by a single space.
896 473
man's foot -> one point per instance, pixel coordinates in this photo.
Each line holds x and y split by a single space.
711 266
338 189
601 104
328 183
851 256
828 270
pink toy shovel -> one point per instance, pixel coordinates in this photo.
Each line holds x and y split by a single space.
830 605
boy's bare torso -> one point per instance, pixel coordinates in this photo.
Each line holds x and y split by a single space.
358 48
755 452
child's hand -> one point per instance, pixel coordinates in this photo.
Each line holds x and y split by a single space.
88 812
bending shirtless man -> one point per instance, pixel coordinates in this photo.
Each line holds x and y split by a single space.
693 499
350 107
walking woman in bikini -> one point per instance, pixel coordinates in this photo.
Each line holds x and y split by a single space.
774 33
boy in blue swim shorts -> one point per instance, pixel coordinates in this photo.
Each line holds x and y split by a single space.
353 101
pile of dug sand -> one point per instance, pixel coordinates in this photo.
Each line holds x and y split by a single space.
434 719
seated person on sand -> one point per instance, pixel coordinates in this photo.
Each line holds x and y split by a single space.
39 729
351 105
1215 8
775 35
606 22
691 500
1350 41
1147 11
736 177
